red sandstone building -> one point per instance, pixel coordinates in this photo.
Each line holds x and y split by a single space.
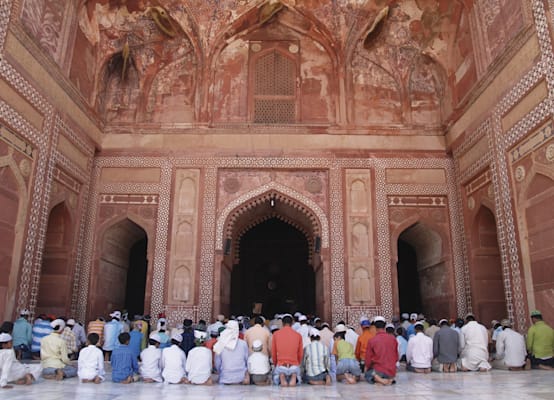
335 157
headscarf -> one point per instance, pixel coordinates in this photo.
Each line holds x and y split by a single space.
228 338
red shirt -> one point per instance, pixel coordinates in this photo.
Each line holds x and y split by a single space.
286 347
382 353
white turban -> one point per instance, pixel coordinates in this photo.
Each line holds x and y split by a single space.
228 338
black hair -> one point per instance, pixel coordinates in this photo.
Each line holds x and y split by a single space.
380 324
341 335
7 327
93 338
124 338
175 342
287 320
400 331
419 327
390 329
153 342
258 320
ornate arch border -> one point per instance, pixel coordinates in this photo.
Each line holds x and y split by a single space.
232 207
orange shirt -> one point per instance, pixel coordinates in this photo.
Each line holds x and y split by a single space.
361 344
286 347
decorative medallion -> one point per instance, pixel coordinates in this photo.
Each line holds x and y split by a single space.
520 173
256 47
397 216
25 167
550 152
293 48
313 185
471 203
231 185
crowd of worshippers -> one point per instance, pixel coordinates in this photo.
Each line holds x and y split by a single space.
286 351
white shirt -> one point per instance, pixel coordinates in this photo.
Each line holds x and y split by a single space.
173 364
258 363
7 358
351 337
90 363
510 346
420 351
304 331
199 365
150 365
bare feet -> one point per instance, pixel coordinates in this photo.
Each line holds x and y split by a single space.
381 380
545 367
7 387
350 379
292 381
283 380
209 382
148 380
128 380
97 380
328 381
246 380
59 375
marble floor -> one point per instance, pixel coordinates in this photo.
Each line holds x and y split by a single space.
470 385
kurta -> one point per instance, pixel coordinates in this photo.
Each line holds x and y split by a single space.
90 363
232 364
199 365
475 341
150 365
12 370
173 364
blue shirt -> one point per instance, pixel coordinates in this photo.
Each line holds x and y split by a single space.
135 343
124 363
402 346
112 330
232 364
22 333
41 329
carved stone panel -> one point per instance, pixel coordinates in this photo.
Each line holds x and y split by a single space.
183 240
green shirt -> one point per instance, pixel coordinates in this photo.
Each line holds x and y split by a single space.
343 349
540 340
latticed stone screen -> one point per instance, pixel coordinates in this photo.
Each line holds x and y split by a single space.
274 89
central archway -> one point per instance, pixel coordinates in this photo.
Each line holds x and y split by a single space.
249 263
273 271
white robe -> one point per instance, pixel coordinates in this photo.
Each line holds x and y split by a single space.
12 370
90 363
173 364
475 341
199 365
150 365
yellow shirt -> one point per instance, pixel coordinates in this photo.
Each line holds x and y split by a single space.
53 352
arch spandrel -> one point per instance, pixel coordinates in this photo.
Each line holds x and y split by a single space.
306 205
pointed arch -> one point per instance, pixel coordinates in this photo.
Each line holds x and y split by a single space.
314 213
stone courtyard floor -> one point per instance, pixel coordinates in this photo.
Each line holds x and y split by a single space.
470 385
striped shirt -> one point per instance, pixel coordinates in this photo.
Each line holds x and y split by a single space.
97 326
316 358
41 329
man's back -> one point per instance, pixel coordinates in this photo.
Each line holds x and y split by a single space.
540 340
382 353
286 347
446 343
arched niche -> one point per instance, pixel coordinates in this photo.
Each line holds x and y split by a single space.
56 276
487 282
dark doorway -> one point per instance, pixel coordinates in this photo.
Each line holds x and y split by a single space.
119 282
273 271
136 278
408 279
